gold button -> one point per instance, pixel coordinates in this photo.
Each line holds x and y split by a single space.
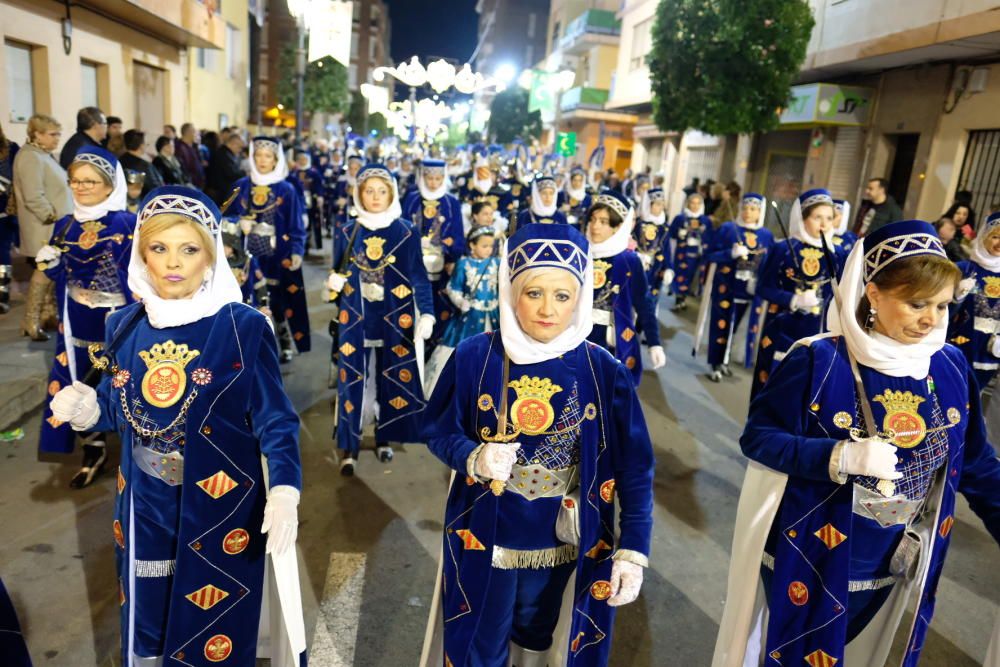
207 430
814 407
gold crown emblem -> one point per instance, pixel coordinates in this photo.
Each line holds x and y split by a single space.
812 253
536 387
373 247
168 352
992 286
899 401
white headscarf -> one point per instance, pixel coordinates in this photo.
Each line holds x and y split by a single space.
845 216
646 210
760 219
874 350
381 220
520 347
979 254
576 193
280 171
617 242
219 288
536 202
688 213
116 201
797 228
441 191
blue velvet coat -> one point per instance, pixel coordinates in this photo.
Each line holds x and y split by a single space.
794 422
653 245
615 457
692 237
975 319
241 412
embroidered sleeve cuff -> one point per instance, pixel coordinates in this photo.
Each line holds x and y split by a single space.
836 463
470 464
632 557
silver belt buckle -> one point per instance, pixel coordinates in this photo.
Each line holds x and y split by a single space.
372 291
602 317
893 511
536 481
95 298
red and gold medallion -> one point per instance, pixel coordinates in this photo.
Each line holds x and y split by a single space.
165 381
608 491
532 413
902 419
750 238
89 237
601 269
374 248
601 590
430 209
798 593
218 648
810 261
235 541
649 232
991 286
259 194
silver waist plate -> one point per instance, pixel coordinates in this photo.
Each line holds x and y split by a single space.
537 481
887 512
602 317
168 468
744 275
372 292
262 229
986 325
93 298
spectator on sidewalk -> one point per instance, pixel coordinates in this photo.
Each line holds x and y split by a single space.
115 141
170 132
43 197
134 159
166 163
224 170
965 221
91 129
8 218
878 208
947 231
187 155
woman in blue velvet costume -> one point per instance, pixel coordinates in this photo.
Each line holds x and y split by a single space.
542 430
858 446
652 242
195 394
975 322
87 258
690 236
574 198
843 237
542 206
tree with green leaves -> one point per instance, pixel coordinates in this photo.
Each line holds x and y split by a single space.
325 89
510 118
725 66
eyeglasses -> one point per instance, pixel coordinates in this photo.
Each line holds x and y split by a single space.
83 185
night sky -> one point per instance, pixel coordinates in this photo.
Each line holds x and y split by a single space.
444 28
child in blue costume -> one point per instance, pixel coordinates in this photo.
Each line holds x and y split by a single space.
482 186
738 249
194 390
386 314
271 209
690 235
574 199
795 280
859 444
652 242
88 259
308 180
622 307
542 430
843 237
344 192
542 207
975 322
437 216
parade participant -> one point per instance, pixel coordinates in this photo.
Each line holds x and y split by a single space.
308 180
437 217
574 200
621 305
195 392
738 249
975 322
795 281
135 183
87 259
542 208
690 233
245 268
858 446
8 218
843 237
271 217
652 238
345 186
572 439
484 215
386 308
482 186
639 186
517 195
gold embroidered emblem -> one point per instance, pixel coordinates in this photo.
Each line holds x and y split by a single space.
406 320
601 269
348 407
347 349
62 358
991 288
235 541
400 350
798 593
218 648
649 232
901 418
750 238
810 261
830 536
121 481
430 208
516 189
119 535
532 413
469 541
54 388
399 402
217 485
207 596
842 420
485 402
608 490
945 528
628 335
402 291
590 411
601 590
165 380
959 340
259 194
374 248
820 658
954 416
88 239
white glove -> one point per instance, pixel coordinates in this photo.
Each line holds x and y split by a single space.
48 255
995 345
281 519
626 580
76 404
657 356
740 251
805 301
495 460
668 278
464 306
870 457
246 225
425 327
571 219
336 282
296 263
965 285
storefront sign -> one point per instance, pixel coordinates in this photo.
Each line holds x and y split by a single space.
828 104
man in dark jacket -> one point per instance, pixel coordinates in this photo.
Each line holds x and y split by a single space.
91 129
224 169
878 208
134 158
187 154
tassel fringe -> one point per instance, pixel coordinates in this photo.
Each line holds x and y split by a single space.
154 568
533 559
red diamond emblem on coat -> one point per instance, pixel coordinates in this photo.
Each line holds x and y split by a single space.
470 541
217 485
830 536
207 596
820 658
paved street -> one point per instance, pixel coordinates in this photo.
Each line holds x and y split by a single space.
368 545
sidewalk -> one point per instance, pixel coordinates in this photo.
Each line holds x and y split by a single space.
24 365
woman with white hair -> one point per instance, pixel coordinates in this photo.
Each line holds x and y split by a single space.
542 207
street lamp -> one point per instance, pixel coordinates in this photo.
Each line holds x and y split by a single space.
299 9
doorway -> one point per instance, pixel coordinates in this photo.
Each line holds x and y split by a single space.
149 84
903 155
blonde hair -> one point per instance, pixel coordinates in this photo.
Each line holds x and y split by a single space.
41 122
525 278
74 166
164 221
388 185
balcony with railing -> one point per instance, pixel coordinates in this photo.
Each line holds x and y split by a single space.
583 98
591 28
